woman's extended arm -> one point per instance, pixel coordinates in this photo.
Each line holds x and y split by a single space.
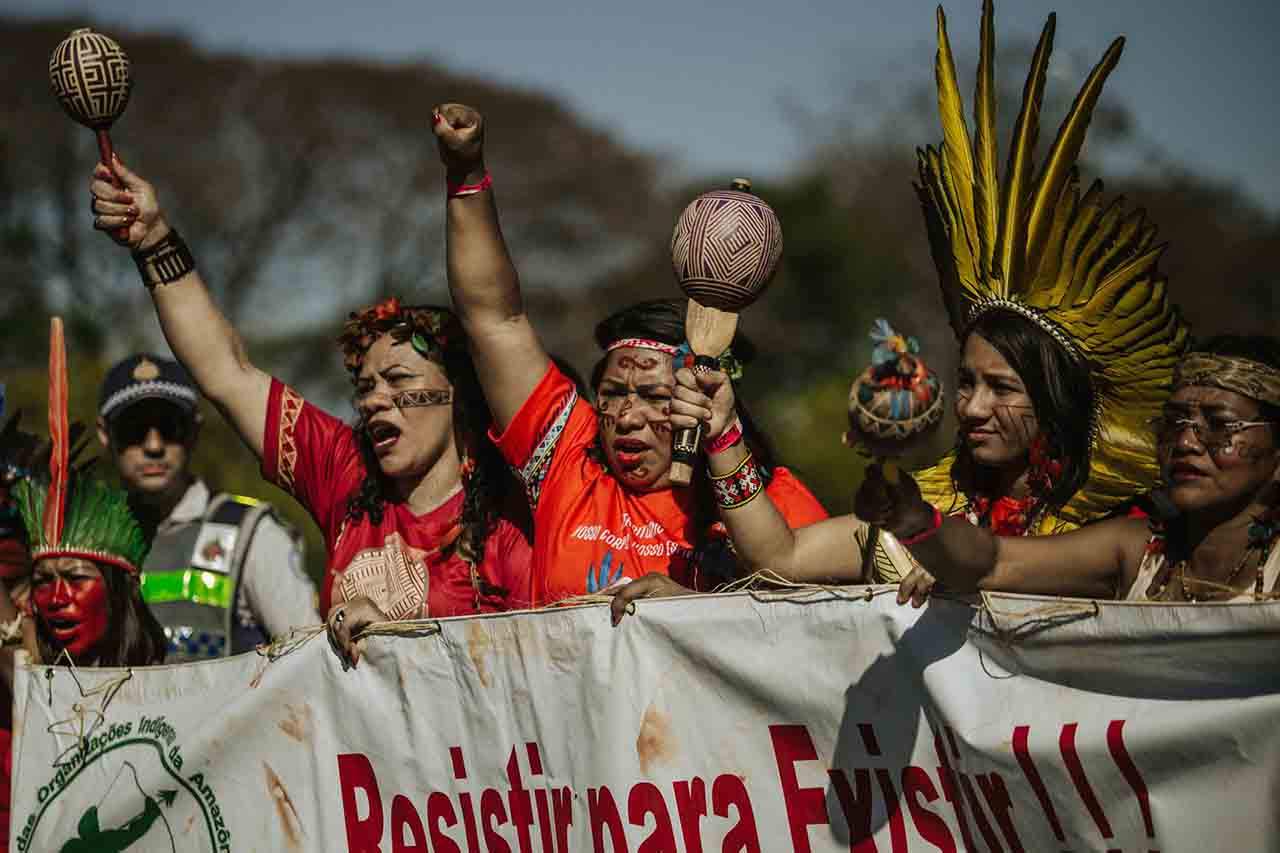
199 335
1092 562
509 358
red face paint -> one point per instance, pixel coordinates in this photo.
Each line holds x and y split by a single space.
70 598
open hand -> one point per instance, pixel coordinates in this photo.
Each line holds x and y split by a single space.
915 587
703 398
459 131
130 216
345 622
652 585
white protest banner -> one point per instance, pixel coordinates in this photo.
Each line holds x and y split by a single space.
710 724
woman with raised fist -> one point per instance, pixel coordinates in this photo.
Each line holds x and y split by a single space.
412 500
597 477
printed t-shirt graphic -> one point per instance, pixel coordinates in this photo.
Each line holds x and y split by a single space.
590 530
397 563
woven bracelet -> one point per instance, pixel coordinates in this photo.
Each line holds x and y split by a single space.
740 487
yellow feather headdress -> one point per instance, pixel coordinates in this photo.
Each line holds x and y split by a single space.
1083 270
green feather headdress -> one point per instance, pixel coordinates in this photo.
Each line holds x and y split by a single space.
68 514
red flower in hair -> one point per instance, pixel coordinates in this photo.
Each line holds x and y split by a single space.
387 308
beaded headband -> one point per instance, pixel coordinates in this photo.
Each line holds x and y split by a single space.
728 362
644 343
1253 379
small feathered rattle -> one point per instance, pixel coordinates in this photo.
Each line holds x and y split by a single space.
896 402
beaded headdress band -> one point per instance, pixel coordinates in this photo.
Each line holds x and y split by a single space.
1253 379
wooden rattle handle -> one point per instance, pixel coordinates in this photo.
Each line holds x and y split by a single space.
688 441
108 155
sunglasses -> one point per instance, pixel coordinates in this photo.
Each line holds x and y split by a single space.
132 429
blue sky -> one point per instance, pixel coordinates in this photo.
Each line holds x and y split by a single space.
708 81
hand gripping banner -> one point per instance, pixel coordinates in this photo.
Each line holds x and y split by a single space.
811 721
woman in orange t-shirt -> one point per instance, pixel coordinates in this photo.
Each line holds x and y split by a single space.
597 477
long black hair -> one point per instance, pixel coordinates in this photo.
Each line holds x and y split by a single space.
486 480
1061 394
133 636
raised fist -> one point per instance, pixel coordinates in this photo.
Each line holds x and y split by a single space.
130 216
460 134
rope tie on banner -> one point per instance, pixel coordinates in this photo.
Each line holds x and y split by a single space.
1025 621
77 724
299 637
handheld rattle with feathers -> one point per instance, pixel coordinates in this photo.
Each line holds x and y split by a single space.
724 251
89 75
895 403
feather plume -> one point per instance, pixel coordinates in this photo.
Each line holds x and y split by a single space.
55 506
1061 160
986 185
957 156
1018 173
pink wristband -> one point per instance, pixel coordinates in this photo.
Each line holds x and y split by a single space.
933 528
731 436
461 190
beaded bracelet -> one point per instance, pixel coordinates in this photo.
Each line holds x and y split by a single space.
165 262
934 526
463 190
731 436
739 487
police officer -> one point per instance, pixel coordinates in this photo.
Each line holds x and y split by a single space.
225 572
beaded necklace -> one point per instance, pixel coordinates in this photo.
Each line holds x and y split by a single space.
1263 534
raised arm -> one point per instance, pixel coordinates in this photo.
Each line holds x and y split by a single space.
829 549
1093 562
509 358
199 335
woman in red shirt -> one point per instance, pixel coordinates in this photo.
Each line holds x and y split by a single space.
597 477
411 500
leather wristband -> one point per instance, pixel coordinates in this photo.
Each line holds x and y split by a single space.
165 262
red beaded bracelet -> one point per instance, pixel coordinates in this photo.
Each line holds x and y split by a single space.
731 436
461 190
933 528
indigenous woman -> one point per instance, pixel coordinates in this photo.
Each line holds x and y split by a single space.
1067 344
410 500
85 599
597 478
1219 448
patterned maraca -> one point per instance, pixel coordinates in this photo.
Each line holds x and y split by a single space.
894 403
724 251
89 74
